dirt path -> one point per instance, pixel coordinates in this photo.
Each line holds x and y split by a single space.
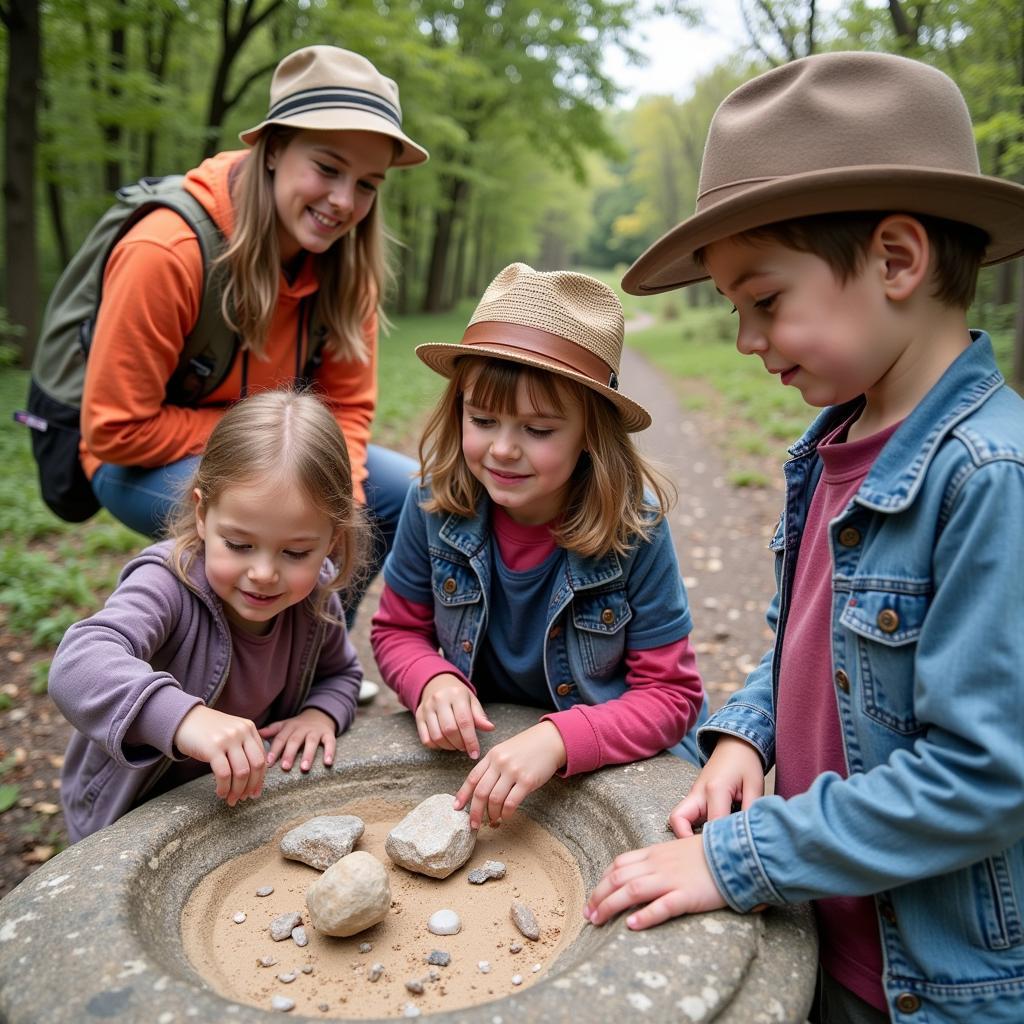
720 532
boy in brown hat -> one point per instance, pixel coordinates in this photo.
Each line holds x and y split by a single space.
842 212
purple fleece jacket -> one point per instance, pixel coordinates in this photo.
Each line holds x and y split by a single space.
164 647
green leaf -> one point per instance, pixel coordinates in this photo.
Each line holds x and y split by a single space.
8 797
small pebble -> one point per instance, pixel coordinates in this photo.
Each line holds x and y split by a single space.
535 968
517 979
376 970
299 936
282 925
264 890
267 961
434 974
365 947
484 966
323 1007
444 922
287 977
439 958
282 1004
415 986
239 918
490 869
523 919
411 1010
308 968
515 947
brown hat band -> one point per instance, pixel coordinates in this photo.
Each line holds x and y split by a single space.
501 334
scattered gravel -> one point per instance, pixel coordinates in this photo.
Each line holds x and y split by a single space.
239 918
515 947
439 958
535 968
415 986
444 922
517 979
299 936
484 966
411 1010
264 890
365 947
308 968
282 925
287 977
282 1004
267 961
376 970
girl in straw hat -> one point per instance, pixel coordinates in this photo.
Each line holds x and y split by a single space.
535 554
305 245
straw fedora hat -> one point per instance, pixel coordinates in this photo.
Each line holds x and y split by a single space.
833 133
327 88
559 321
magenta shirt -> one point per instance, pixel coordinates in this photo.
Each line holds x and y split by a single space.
809 739
664 684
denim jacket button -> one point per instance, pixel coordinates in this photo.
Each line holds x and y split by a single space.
607 616
888 621
563 689
450 586
907 1002
886 910
467 645
843 681
849 537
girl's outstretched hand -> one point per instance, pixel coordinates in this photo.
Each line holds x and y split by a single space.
733 775
509 772
670 878
307 730
231 746
449 714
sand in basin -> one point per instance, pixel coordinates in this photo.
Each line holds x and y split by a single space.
541 874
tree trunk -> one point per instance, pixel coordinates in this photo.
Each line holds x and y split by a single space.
444 220
113 175
158 48
458 280
21 275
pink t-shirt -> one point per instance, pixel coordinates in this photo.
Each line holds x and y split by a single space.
665 688
808 737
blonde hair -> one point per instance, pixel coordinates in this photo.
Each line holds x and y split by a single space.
607 508
353 273
293 436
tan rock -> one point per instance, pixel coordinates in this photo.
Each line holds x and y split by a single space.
351 895
433 839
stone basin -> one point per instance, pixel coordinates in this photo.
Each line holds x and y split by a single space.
95 934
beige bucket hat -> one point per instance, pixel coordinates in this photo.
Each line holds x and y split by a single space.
327 88
566 323
832 133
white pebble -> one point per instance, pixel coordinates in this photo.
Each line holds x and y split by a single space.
287 978
282 1004
535 968
444 922
239 918
264 890
485 967
299 936
365 947
411 1010
517 979
267 961
308 968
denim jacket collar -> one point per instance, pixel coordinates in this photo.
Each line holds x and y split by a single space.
896 476
469 534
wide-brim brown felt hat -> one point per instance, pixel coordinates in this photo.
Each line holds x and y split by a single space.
327 88
835 133
559 321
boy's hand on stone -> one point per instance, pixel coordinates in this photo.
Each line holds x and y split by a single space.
308 730
509 772
670 878
230 745
449 714
733 775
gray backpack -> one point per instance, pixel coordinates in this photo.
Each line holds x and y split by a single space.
58 369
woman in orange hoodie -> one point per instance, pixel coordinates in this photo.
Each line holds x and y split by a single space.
300 213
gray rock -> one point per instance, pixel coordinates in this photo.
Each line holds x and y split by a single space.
415 986
444 922
351 895
323 840
282 1004
299 936
490 869
375 971
439 958
323 1007
308 968
239 917
523 919
365 947
515 947
282 925
264 890
434 974
287 977
432 839
267 961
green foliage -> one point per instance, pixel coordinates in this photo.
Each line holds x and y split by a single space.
8 796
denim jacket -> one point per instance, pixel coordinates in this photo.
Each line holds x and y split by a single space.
587 614
928 662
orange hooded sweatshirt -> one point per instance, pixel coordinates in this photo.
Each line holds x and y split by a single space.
152 288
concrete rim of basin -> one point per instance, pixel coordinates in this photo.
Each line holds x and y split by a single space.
95 933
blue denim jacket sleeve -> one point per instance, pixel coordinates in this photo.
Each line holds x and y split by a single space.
407 568
959 787
749 713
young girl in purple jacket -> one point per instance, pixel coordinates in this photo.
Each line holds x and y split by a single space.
227 634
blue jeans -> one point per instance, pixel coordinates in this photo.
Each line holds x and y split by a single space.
144 498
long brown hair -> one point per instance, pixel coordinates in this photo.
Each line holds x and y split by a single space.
616 497
285 434
353 273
